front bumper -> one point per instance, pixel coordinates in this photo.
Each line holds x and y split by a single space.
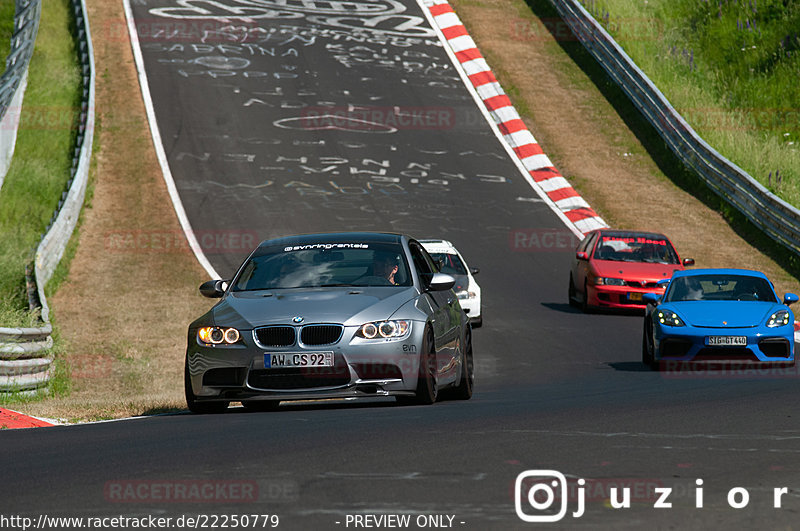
690 344
472 307
362 368
621 297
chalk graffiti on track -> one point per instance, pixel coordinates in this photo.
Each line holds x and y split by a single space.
381 16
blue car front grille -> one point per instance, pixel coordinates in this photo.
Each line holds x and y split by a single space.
775 347
675 348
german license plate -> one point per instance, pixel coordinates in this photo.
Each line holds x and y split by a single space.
727 341
276 360
635 297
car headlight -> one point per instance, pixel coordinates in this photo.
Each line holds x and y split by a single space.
384 330
214 335
779 318
466 295
668 318
605 281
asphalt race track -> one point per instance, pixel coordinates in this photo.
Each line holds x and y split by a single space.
300 120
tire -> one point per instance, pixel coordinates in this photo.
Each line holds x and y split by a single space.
260 405
571 297
477 322
585 301
427 390
195 406
464 389
648 357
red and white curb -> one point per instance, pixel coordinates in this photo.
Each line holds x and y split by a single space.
514 132
10 420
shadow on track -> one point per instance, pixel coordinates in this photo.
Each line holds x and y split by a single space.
563 307
629 366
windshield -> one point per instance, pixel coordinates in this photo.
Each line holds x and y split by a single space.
720 288
325 264
450 264
632 247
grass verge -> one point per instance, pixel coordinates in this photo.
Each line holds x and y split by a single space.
730 68
116 370
40 168
668 164
39 171
7 9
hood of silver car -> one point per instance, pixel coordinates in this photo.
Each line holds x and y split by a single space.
346 305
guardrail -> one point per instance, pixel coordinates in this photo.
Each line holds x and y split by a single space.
777 218
25 357
15 77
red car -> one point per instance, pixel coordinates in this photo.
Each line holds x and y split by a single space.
613 268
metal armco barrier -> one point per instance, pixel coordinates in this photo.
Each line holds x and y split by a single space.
25 357
14 79
776 217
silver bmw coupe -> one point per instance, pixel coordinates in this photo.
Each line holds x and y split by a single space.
324 316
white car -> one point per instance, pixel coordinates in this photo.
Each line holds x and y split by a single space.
452 263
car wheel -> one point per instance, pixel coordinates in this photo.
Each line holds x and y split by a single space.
477 322
427 390
193 404
648 357
571 296
464 389
585 300
261 405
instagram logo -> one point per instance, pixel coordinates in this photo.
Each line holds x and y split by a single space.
542 490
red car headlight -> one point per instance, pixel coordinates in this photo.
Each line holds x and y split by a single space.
605 281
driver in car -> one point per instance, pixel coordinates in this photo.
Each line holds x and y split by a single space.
385 266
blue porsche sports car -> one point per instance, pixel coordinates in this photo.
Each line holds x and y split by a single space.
708 315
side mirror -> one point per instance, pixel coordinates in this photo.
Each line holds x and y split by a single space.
688 262
580 255
474 270
213 289
790 298
650 298
441 282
